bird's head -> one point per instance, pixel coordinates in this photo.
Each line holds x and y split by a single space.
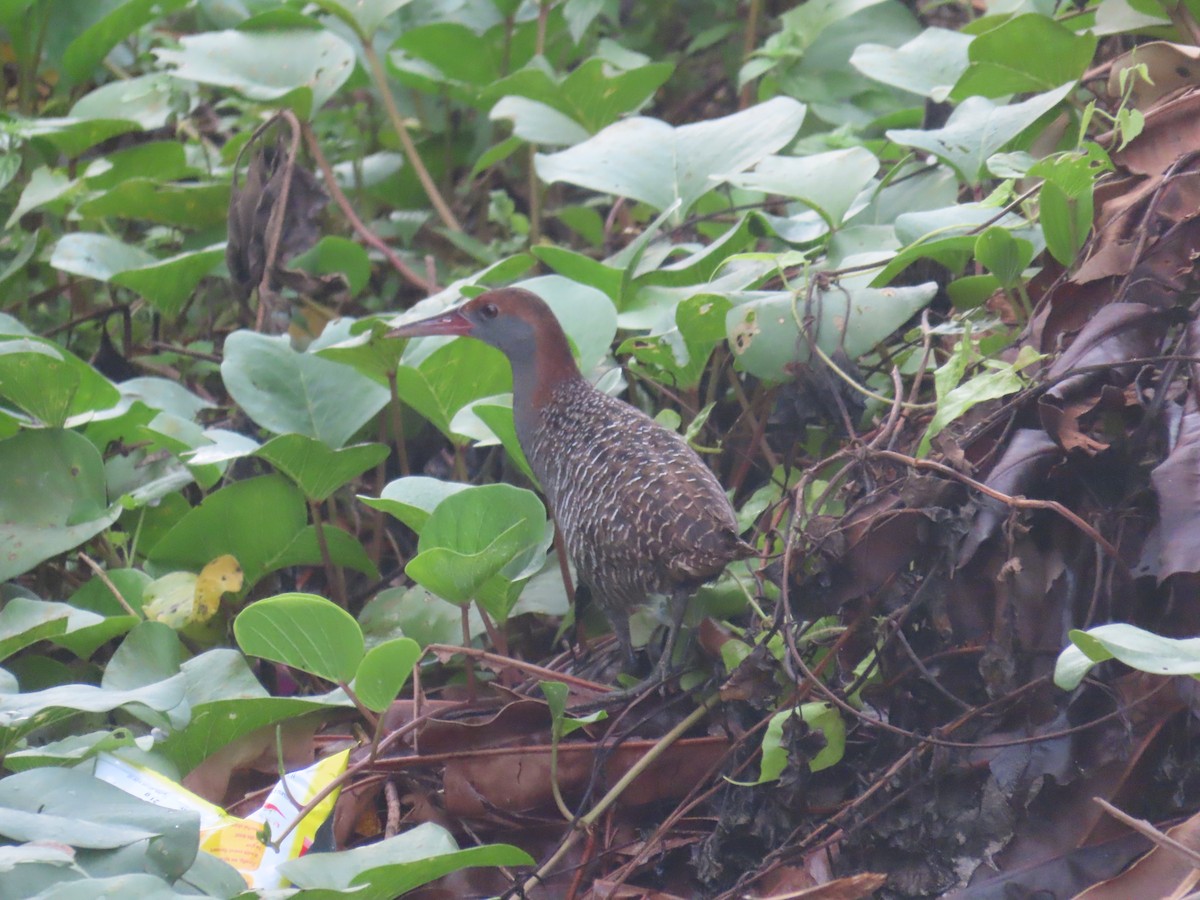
514 320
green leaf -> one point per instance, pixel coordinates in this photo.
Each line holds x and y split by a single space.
287 391
69 136
70 806
977 129
582 269
649 160
416 613
537 123
1066 221
316 469
301 69
490 420
336 254
453 58
192 206
21 714
47 189
384 670
24 622
88 50
471 519
851 317
164 160
96 595
460 576
439 376
820 716
364 16
680 355
70 751
413 498
947 235
228 703
954 399
150 653
51 384
828 182
256 521
146 100
398 864
556 699
928 65
828 720
53 500
473 535
97 256
592 95
1137 648
344 550
303 631
168 283
1027 53
1003 255
86 632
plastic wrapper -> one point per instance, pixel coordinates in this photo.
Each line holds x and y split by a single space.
241 842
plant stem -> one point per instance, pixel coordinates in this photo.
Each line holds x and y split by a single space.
356 223
332 572
585 822
748 43
379 76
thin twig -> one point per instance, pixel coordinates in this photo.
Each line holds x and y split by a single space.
107 582
585 822
1144 828
379 76
1016 502
368 236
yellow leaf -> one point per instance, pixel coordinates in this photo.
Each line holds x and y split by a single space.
221 576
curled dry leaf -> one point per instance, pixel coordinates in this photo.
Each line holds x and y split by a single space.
251 206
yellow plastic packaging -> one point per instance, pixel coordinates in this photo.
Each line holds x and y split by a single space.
235 840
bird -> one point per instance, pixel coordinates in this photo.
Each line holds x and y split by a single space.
639 512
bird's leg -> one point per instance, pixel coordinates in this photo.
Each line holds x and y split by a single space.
620 627
676 608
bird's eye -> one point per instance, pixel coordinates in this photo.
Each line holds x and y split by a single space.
489 311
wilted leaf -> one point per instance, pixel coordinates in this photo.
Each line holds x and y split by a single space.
251 206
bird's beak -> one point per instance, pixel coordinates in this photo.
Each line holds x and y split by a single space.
453 322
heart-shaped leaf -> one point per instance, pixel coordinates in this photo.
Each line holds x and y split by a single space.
54 497
316 469
303 631
648 160
383 672
285 391
977 129
301 69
